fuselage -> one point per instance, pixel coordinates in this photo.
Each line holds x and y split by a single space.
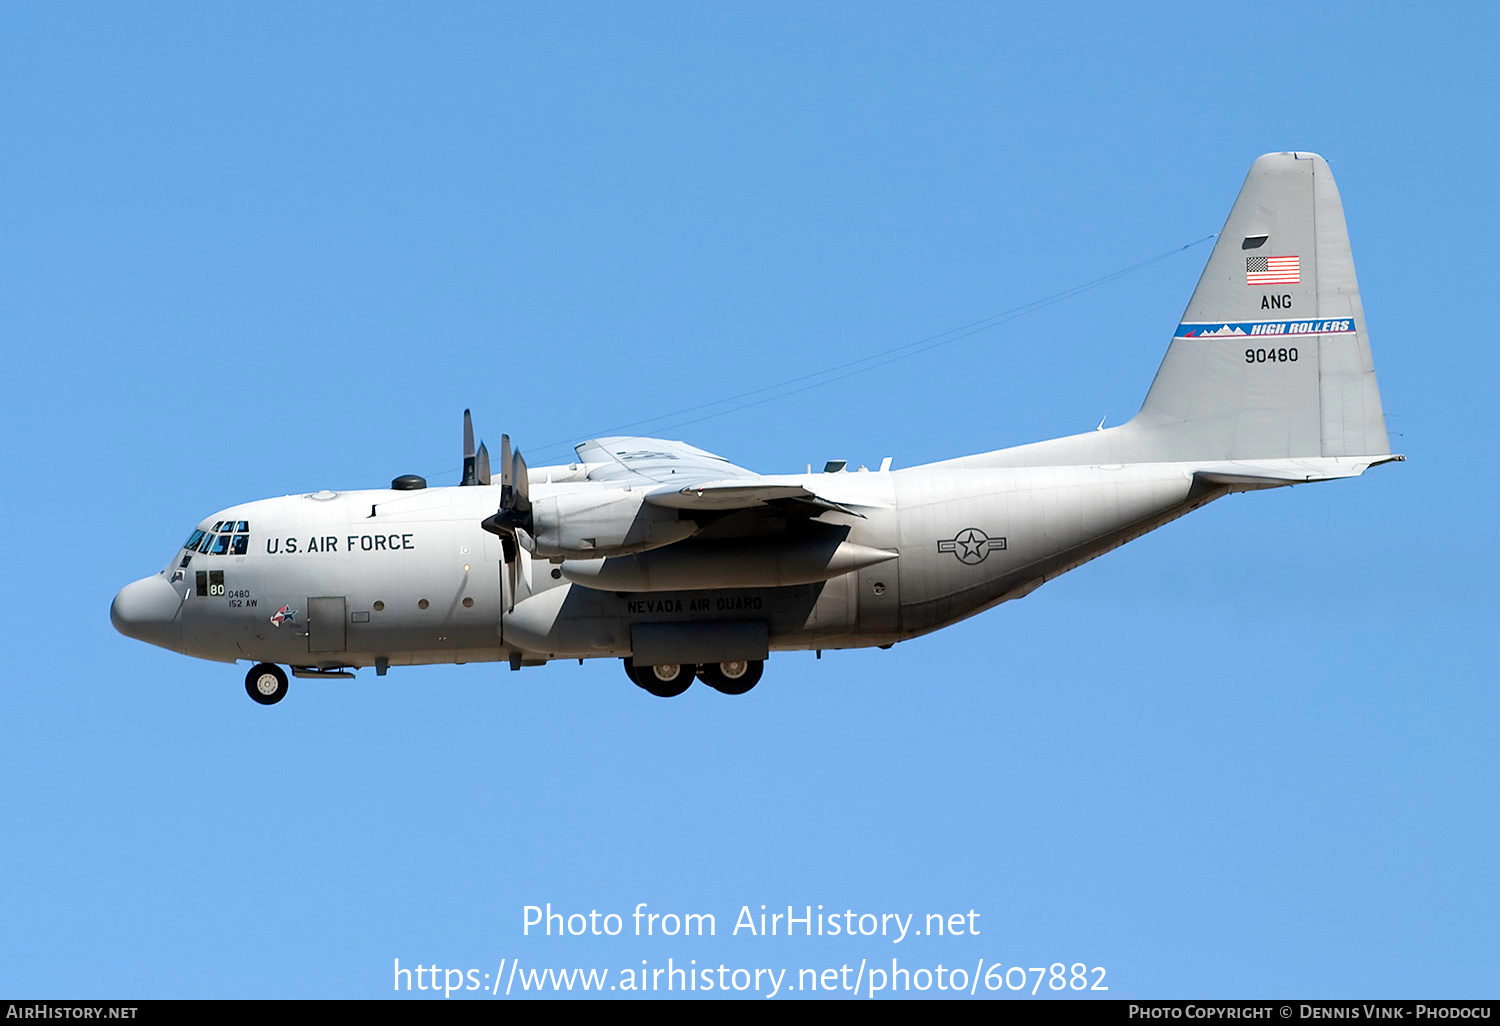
333 580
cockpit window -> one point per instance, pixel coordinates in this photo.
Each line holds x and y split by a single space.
225 538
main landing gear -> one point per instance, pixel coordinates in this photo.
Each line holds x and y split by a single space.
733 678
266 683
668 680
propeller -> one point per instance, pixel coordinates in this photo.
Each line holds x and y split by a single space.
514 514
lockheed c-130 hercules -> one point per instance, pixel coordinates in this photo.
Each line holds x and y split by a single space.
688 567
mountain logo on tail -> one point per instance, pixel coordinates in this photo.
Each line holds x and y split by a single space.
1216 329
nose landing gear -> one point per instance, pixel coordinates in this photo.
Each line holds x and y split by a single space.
266 683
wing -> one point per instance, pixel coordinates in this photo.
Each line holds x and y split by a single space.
692 479
632 460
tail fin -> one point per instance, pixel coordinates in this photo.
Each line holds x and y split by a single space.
1271 358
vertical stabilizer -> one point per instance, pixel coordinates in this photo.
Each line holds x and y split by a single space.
1271 358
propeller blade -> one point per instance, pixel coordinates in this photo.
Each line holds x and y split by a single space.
514 566
469 477
482 465
505 468
522 500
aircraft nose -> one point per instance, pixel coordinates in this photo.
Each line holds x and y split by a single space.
147 611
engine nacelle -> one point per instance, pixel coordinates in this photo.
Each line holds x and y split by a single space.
595 522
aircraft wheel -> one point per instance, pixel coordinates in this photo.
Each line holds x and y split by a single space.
664 680
734 678
266 683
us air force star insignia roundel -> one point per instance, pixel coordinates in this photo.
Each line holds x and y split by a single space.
971 545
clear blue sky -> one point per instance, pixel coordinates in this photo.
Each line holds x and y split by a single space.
249 250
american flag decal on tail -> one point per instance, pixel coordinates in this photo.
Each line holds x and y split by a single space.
1269 270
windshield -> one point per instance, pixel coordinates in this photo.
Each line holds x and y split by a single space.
224 538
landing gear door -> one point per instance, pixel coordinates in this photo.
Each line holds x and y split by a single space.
326 619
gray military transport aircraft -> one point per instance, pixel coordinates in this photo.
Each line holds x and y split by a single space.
686 566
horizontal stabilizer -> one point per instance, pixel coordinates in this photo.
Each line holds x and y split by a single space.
1243 475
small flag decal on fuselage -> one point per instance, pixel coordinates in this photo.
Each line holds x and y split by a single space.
1269 270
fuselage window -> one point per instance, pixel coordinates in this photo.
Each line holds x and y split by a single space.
221 544
240 545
